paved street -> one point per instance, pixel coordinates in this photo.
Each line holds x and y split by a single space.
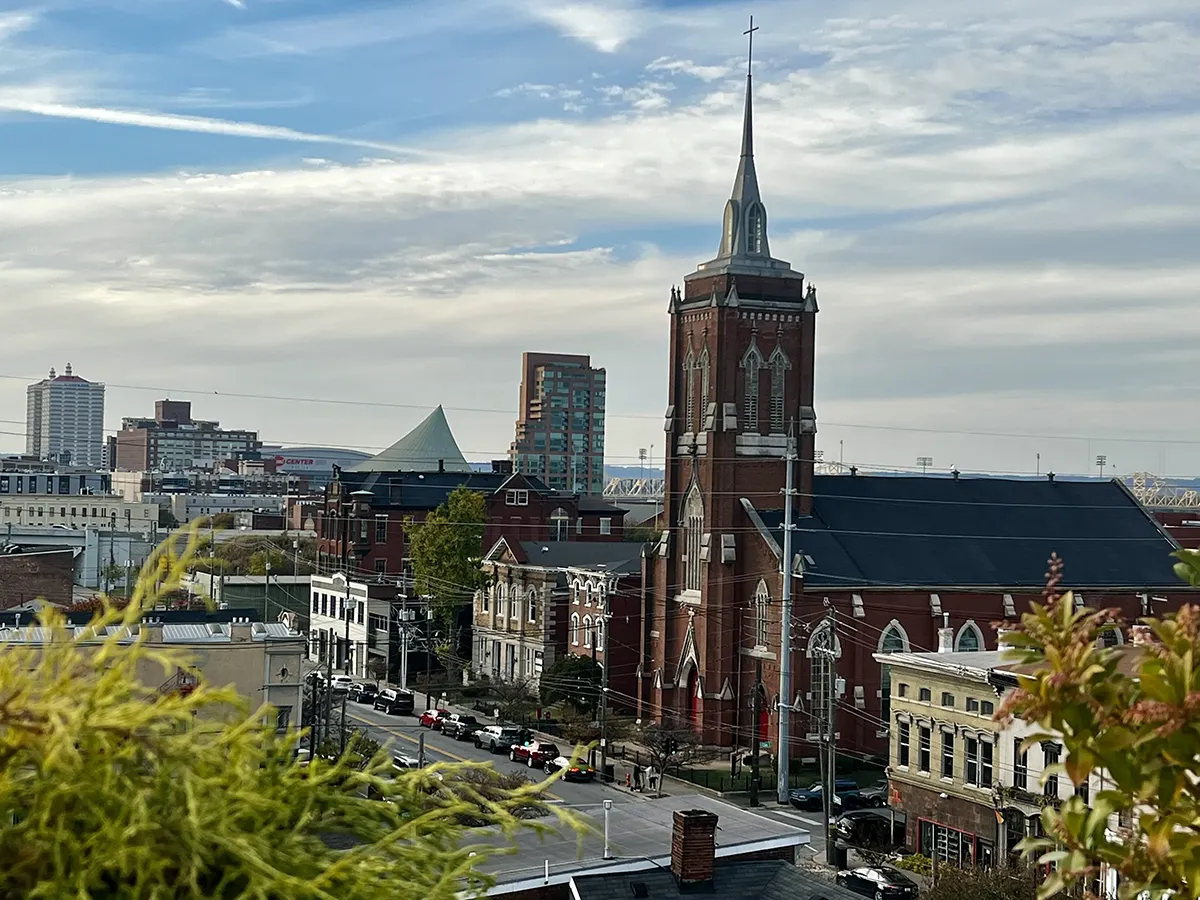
404 733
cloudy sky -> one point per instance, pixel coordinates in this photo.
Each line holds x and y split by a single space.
386 201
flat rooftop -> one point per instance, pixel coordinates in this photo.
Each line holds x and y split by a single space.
639 838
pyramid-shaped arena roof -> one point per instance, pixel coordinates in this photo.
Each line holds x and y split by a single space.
424 449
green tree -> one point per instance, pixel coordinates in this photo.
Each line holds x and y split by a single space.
574 681
109 789
670 744
259 560
642 533
1132 713
377 668
445 550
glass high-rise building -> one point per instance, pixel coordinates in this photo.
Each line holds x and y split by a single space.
560 429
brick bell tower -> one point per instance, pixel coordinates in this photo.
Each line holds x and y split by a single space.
742 349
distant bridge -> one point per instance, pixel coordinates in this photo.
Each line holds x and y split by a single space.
1156 492
634 488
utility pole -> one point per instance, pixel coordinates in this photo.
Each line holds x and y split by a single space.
604 617
347 617
755 730
267 587
831 742
785 631
404 644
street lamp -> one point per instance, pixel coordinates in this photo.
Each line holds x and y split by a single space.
924 462
1101 460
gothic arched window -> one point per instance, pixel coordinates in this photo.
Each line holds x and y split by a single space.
587 631
752 361
703 366
689 377
893 640
693 528
823 649
762 602
575 629
756 229
779 364
969 639
599 632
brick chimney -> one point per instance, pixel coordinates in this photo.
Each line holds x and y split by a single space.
693 848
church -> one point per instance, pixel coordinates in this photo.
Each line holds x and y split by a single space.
906 563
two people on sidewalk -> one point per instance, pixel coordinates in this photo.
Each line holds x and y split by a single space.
644 778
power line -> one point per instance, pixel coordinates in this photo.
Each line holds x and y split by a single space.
280 398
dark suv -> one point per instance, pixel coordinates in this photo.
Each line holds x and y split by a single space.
394 702
460 727
362 692
810 797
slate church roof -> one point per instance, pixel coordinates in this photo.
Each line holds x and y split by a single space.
733 880
940 532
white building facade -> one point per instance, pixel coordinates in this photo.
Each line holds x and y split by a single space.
64 419
350 622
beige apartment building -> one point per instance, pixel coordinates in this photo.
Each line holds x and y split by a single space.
260 660
969 787
77 511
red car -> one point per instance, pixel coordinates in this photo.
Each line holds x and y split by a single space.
535 753
433 718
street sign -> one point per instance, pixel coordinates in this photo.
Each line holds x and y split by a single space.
764 745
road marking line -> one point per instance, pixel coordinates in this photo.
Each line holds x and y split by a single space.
805 820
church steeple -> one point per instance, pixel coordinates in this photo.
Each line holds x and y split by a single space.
736 239
744 227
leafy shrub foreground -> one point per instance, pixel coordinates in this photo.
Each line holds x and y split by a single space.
109 789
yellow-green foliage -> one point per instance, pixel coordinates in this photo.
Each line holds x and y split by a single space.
107 790
1142 731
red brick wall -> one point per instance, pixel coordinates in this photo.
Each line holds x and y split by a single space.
36 576
954 812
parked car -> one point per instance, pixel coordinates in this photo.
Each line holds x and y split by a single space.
362 692
871 829
432 718
341 682
394 702
877 794
405 763
460 727
810 797
572 771
879 882
534 753
498 738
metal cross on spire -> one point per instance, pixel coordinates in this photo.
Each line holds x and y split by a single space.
749 32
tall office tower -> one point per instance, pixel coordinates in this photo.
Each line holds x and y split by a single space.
560 431
64 420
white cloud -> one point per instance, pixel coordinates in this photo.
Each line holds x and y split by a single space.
605 26
687 67
13 101
999 209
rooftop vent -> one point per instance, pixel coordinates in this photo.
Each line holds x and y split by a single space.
639 889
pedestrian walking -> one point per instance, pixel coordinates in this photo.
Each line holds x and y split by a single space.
652 777
637 778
